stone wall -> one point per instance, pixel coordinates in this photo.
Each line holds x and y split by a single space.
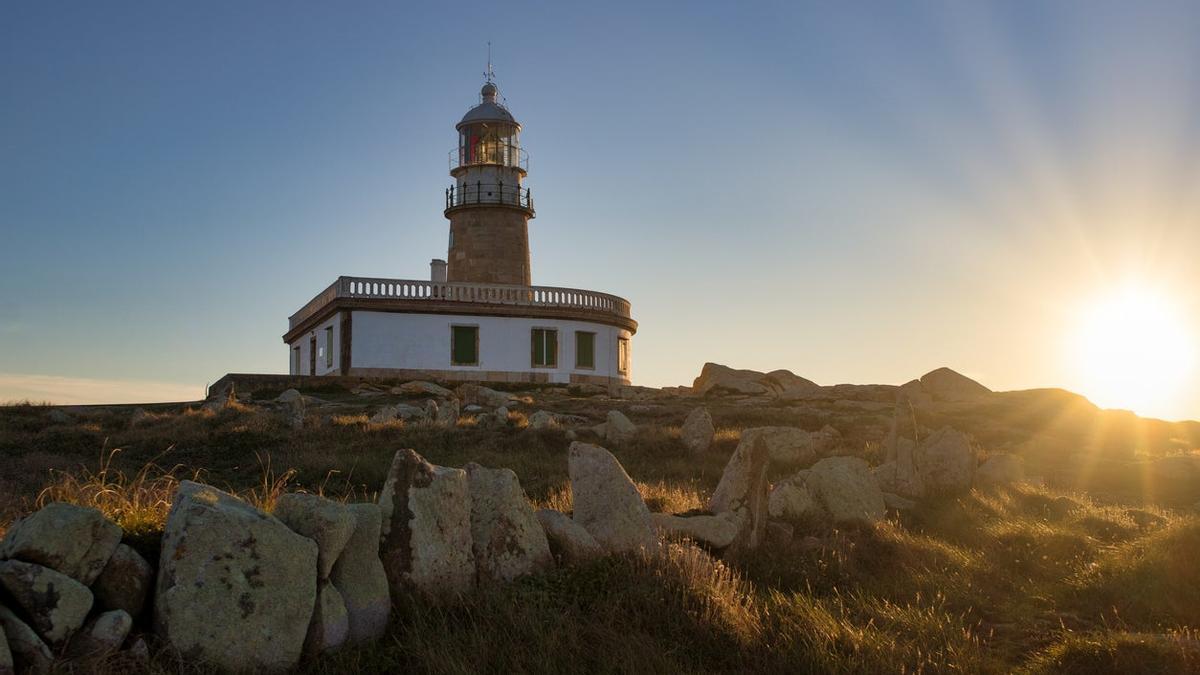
490 245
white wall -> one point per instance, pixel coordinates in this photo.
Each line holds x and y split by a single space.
422 341
303 342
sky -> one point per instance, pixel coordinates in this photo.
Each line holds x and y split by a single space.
858 192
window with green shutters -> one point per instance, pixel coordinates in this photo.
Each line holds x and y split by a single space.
329 346
464 345
545 347
585 349
623 355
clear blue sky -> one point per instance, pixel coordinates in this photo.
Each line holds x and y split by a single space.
859 192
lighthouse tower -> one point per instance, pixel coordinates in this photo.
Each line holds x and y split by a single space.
488 206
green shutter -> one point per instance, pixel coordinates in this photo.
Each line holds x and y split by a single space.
537 335
544 347
552 348
585 350
464 345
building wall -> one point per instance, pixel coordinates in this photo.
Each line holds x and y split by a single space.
384 340
304 343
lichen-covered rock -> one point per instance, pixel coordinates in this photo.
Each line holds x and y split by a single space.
29 652
743 490
419 387
325 521
697 431
124 582
426 528
448 412
1000 469
330 624
846 490
236 587
718 531
74 540
474 394
102 635
618 428
54 603
946 462
359 577
568 540
399 411
790 499
606 502
542 419
507 539
787 446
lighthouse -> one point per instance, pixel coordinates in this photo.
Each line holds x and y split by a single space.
478 317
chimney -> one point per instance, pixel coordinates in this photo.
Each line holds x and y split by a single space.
437 271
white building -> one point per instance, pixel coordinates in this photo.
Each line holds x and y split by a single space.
477 317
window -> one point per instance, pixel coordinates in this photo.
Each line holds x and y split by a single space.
329 346
622 355
464 345
295 360
585 349
545 347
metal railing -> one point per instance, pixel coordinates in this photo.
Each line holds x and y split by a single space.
502 154
490 294
469 194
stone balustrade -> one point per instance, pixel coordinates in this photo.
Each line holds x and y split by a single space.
488 294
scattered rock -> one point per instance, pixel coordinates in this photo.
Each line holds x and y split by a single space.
29 652
780 534
289 396
507 539
140 417
542 420
583 390
897 503
431 409
448 412
74 540
717 379
57 416
946 462
325 521
787 446
399 411
7 667
618 428
474 394
606 502
697 431
944 384
102 635
124 582
846 490
236 587
718 531
426 528
743 490
330 624
791 499
55 604
569 542
359 577
419 387
1000 469
139 651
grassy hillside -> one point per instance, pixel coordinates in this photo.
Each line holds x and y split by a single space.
1031 579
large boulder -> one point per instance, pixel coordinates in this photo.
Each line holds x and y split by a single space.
697 431
791 499
125 582
742 490
569 542
618 428
846 490
54 603
102 635
715 378
944 384
330 624
29 652
448 412
420 387
789 446
74 540
507 539
719 530
426 530
325 521
1000 469
236 587
399 411
542 419
360 579
946 462
474 394
787 385
606 502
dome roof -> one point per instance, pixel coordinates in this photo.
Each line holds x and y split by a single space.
489 110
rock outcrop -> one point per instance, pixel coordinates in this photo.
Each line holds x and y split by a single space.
606 502
74 540
945 462
697 432
846 490
791 499
474 394
360 579
944 384
426 534
618 428
236 587
742 491
420 388
508 542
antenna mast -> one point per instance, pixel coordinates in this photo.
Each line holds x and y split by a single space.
490 75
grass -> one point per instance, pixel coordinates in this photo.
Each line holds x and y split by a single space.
1024 579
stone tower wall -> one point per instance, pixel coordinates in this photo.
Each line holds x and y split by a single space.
490 245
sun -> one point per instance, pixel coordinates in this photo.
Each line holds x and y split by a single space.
1134 350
